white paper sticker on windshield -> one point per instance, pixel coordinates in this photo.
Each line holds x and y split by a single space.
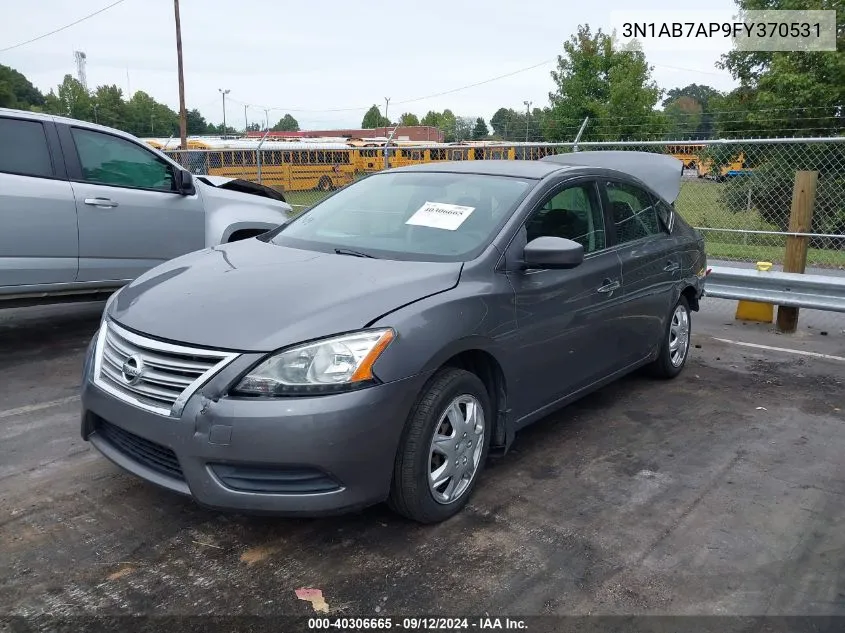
440 215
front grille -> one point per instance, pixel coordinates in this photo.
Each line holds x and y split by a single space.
280 480
151 374
154 456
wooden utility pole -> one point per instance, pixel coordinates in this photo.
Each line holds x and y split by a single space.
183 115
800 221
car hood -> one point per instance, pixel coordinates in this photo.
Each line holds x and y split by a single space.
219 190
255 296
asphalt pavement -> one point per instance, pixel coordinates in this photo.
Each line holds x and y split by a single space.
720 492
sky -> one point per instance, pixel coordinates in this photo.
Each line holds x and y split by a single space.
327 61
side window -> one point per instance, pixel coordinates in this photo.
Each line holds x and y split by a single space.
110 160
573 213
23 148
664 212
633 212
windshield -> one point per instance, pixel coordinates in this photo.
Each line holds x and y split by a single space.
432 216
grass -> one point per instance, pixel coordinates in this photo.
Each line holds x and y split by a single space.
821 258
699 203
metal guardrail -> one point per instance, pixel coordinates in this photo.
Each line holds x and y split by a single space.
817 292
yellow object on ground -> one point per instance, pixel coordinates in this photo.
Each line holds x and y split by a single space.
755 310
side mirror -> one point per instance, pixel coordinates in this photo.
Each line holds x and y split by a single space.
552 252
184 182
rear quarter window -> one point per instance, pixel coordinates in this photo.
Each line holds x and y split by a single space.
23 148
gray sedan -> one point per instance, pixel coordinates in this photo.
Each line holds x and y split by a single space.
379 345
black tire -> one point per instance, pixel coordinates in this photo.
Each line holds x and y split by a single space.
663 367
410 493
325 184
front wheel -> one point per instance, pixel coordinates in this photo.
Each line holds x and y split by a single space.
674 349
443 448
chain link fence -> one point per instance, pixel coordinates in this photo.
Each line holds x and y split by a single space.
738 193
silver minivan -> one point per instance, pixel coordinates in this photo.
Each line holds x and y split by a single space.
84 209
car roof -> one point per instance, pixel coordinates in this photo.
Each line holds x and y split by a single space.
533 169
42 116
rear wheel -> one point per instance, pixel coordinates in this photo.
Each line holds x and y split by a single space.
325 184
443 449
676 341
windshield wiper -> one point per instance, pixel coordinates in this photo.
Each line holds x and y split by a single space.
349 251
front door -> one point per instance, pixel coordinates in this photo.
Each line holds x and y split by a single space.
131 218
565 318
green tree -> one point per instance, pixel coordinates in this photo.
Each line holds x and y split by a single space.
432 119
409 119
286 124
790 93
480 130
684 116
706 97
786 94
613 86
147 117
52 105
373 119
463 128
72 100
196 123
7 97
221 131
110 108
448 125
16 91
505 121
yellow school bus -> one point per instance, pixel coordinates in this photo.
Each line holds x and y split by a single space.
689 155
738 166
414 153
289 166
172 143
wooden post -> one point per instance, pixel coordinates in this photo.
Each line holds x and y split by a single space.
800 221
183 114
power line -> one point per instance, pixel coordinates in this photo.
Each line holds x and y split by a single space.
689 70
461 88
479 83
67 26
430 96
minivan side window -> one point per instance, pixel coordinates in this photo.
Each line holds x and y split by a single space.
23 148
111 160
573 213
633 212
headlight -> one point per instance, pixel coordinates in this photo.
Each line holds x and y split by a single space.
340 363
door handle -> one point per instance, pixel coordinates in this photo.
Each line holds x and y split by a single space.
671 267
101 202
609 286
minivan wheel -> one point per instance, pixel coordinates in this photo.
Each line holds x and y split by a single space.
676 341
443 448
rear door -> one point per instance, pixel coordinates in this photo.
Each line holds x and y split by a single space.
131 218
38 233
650 263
